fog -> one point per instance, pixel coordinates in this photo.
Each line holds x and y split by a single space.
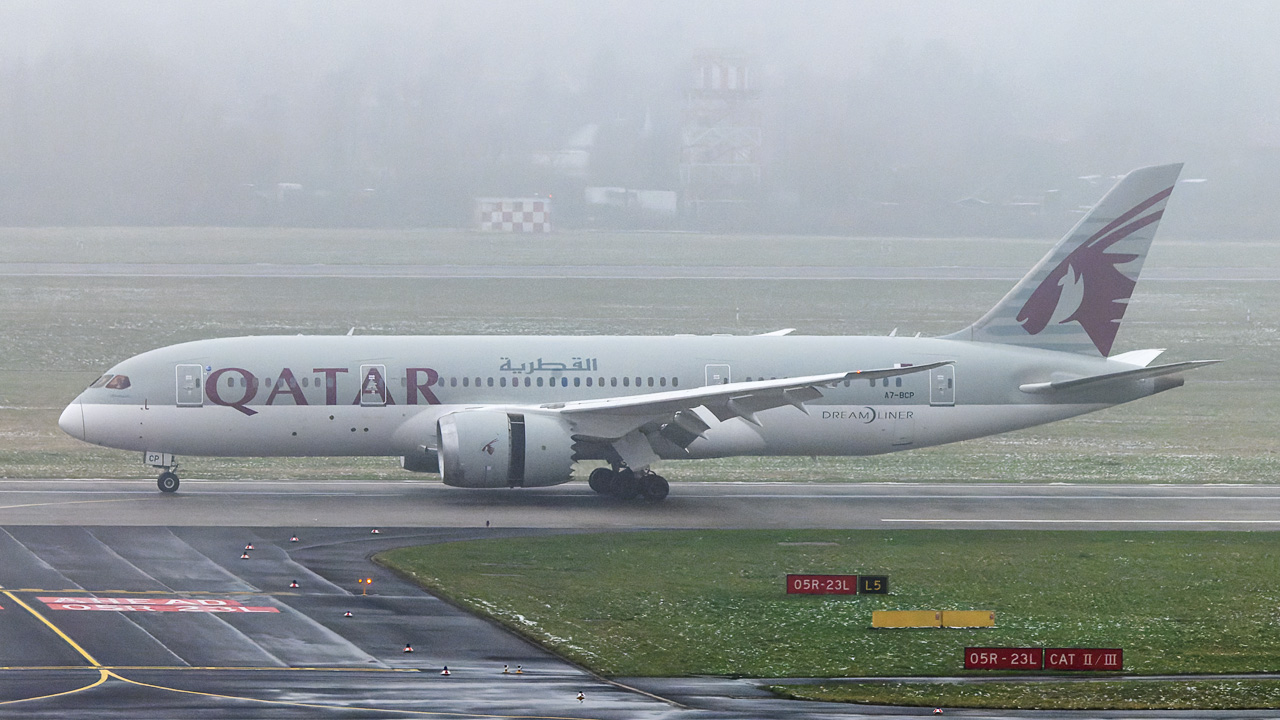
928 118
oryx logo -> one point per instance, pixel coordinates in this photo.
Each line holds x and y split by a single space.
489 446
1087 287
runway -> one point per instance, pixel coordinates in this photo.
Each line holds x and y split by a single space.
118 601
429 504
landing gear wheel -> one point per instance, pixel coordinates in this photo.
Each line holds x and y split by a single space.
654 488
625 484
167 482
601 480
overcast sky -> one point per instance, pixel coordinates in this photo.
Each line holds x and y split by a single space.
1138 81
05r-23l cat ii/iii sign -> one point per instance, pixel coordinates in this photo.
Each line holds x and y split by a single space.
519 411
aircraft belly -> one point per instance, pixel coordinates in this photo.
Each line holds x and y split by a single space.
871 430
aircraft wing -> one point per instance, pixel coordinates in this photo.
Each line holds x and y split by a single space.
613 418
1135 374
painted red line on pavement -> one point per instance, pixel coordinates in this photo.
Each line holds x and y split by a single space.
201 602
159 607
200 605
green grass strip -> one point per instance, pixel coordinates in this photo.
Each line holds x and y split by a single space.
1127 695
713 602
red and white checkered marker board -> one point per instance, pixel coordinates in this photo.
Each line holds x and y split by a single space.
514 214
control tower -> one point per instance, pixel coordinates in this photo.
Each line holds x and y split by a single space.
720 138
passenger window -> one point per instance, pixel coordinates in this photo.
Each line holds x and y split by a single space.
539 382
897 382
526 382
119 382
490 381
613 382
453 382
564 382
650 382
502 382
662 382
626 382
577 382
675 382
637 382
466 382
588 382
231 382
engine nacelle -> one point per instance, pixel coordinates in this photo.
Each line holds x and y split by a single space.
489 449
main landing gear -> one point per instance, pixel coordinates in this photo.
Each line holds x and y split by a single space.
624 483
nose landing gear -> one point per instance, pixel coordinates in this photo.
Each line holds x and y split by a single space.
167 482
168 464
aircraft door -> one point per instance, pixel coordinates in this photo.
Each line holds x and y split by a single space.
718 375
942 386
373 385
190 385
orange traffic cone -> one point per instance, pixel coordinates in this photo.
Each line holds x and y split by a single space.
244 555
375 531
445 672
293 584
346 614
408 648
293 538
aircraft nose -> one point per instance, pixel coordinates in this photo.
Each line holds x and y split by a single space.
72 420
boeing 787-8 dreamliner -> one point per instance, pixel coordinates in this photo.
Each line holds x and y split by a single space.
519 411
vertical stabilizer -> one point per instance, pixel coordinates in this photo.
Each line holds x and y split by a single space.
1075 297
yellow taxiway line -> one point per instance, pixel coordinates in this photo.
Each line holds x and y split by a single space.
105 672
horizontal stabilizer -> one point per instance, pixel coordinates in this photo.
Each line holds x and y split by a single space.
1141 373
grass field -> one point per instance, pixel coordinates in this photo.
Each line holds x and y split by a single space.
708 602
1128 695
61 332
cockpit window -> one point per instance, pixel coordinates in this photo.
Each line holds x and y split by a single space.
101 381
119 382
